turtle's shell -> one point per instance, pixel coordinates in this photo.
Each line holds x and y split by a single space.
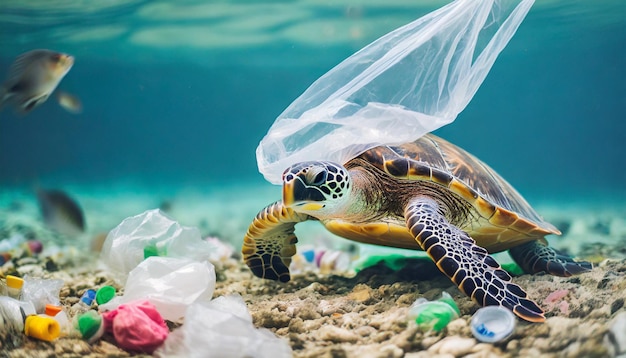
499 216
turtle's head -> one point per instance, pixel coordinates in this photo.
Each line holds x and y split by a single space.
316 188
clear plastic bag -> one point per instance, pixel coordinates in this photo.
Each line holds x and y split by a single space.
150 233
409 82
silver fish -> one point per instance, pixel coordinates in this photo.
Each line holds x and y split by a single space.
69 102
32 77
60 212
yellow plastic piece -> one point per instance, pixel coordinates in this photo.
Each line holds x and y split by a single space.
44 328
14 282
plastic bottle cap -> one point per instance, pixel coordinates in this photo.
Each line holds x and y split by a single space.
44 328
52 310
88 297
89 324
492 324
34 246
14 282
105 294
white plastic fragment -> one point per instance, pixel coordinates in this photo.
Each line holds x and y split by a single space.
170 284
407 83
222 328
126 245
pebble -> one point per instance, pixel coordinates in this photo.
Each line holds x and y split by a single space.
365 331
337 335
424 354
457 327
361 294
615 338
326 308
391 351
513 345
454 345
427 342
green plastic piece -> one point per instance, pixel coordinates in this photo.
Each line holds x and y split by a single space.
435 315
89 323
105 294
393 261
150 250
513 268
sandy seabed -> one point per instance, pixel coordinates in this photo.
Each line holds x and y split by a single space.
342 315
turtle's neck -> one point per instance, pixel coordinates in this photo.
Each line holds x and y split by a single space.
365 197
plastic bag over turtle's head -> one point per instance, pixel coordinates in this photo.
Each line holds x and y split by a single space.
407 83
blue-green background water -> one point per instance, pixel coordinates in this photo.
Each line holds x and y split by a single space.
180 92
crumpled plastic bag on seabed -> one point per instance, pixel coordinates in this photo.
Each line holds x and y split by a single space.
171 284
409 82
124 246
222 328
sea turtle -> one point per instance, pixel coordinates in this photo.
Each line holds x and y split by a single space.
426 195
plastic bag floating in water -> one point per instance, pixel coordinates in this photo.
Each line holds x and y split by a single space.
409 82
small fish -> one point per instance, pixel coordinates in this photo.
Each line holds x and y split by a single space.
69 102
32 77
60 212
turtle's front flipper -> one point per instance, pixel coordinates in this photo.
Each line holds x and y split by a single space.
536 257
270 242
468 265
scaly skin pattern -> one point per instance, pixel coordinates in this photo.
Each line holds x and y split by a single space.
469 266
270 242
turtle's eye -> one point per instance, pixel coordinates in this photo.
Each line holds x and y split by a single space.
316 177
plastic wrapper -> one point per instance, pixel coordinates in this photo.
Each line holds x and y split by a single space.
40 292
151 233
170 284
222 328
434 315
409 82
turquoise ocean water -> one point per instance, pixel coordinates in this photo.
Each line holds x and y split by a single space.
177 94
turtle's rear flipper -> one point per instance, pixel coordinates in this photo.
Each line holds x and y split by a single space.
536 257
468 265
270 242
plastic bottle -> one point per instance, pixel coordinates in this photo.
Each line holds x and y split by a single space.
84 304
14 286
492 324
434 315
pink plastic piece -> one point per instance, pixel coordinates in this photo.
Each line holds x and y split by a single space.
556 296
137 326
